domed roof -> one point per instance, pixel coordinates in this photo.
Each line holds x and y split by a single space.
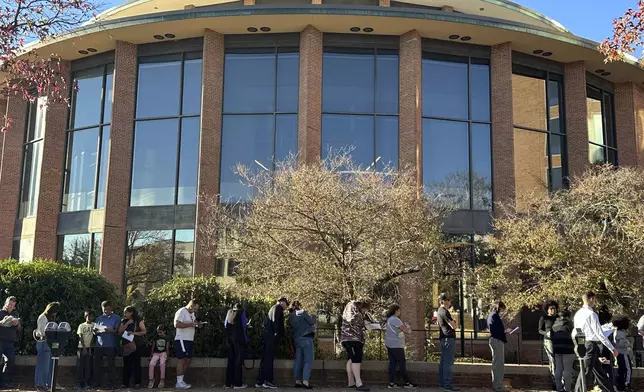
498 9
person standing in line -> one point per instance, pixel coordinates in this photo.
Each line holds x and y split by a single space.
395 343
352 337
160 350
622 345
85 334
236 325
303 331
498 339
447 332
587 321
186 324
134 327
273 334
9 326
546 321
43 358
105 328
563 348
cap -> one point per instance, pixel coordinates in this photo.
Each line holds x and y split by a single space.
443 297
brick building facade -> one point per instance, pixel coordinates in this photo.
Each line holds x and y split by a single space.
487 100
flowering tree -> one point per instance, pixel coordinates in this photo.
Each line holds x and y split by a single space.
627 34
27 74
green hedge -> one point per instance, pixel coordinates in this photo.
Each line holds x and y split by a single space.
38 283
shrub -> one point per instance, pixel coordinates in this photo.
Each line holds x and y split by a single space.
161 304
38 283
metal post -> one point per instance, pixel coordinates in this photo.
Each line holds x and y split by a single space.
582 373
54 374
461 315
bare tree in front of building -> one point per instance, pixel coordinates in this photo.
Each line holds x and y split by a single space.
590 237
326 233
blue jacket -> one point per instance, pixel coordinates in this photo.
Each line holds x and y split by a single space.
301 324
495 325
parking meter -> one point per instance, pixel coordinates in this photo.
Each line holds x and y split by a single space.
57 337
580 350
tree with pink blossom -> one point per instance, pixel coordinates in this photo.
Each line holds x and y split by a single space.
628 34
28 74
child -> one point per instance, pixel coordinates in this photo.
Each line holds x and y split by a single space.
622 345
85 358
160 350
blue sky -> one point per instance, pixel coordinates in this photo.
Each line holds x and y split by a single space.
587 18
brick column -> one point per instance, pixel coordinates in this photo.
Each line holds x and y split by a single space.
410 157
11 170
385 3
210 150
502 125
51 176
249 2
309 134
629 116
117 198
576 121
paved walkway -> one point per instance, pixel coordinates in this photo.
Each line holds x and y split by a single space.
374 389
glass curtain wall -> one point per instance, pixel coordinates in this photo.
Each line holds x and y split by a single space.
540 162
457 156
88 139
80 250
166 135
601 126
360 106
260 114
32 158
154 256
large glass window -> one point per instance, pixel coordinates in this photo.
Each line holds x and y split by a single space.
601 126
166 135
32 159
360 105
260 114
539 133
457 157
155 256
88 139
80 250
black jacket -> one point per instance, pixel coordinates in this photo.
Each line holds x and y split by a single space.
545 324
274 323
561 336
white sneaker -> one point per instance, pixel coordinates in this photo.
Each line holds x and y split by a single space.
243 386
183 385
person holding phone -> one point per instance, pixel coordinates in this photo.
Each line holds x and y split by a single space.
395 343
498 339
9 326
447 332
186 323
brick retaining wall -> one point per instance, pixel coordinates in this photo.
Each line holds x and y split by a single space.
206 372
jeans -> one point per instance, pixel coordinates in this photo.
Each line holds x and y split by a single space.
110 354
303 358
595 373
132 368
623 371
161 359
563 371
448 353
43 364
397 359
268 357
547 347
498 363
84 367
235 362
7 349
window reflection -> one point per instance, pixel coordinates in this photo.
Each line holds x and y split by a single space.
360 106
32 158
80 250
601 126
540 163
456 142
166 136
260 114
153 257
88 140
